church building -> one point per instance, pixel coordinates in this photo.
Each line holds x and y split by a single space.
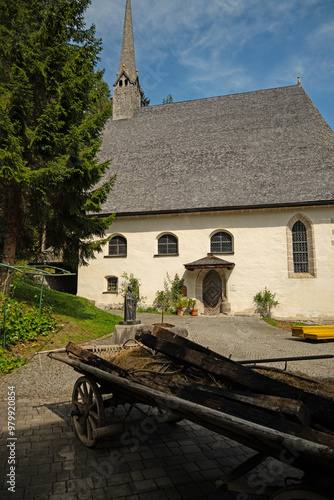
232 193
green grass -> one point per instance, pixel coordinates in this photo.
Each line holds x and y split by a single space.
270 321
78 320
77 310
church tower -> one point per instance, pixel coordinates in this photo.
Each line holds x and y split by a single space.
126 95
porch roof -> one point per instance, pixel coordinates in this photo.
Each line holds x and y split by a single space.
209 262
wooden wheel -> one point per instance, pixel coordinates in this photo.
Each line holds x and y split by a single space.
297 493
87 410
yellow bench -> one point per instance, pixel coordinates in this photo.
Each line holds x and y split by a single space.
324 332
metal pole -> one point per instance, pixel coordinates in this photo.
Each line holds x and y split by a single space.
4 312
276 360
40 297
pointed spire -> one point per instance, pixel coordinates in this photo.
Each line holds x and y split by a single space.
127 59
126 97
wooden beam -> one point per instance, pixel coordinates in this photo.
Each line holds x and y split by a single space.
191 354
94 360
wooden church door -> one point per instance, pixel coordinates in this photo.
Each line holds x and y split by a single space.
212 293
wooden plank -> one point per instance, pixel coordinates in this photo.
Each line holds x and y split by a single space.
254 408
215 397
94 360
320 407
281 406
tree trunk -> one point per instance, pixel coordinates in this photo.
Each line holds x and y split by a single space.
11 235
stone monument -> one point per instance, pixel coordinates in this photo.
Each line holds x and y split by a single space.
130 304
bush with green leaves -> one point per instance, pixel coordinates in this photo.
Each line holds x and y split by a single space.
130 279
176 287
22 323
8 362
265 301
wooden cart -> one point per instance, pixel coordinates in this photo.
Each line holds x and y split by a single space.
289 438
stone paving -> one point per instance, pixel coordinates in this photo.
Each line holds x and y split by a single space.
176 461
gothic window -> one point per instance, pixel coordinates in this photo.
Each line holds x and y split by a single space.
221 242
118 246
299 246
167 245
112 284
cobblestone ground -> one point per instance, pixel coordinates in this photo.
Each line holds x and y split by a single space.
174 461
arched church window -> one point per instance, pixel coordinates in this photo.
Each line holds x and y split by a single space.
221 242
118 246
299 248
167 244
120 83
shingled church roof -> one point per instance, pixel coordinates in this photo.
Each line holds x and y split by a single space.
258 149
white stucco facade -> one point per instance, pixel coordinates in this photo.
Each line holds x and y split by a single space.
261 254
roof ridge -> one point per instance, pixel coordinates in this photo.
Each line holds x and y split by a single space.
225 95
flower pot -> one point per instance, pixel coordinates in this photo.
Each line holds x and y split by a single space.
179 312
194 312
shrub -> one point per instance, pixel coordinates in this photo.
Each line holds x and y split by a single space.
265 301
176 287
134 282
8 362
23 323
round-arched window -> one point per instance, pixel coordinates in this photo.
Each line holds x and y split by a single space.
167 244
117 246
221 242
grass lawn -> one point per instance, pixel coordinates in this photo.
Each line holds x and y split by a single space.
78 320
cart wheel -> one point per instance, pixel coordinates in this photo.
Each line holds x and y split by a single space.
87 410
297 493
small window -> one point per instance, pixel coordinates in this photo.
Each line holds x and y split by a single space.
221 243
121 83
117 246
167 244
299 248
126 82
112 284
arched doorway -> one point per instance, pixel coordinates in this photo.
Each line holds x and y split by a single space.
212 292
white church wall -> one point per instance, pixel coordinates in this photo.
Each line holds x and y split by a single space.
260 257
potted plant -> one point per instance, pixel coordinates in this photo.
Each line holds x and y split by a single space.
191 305
180 304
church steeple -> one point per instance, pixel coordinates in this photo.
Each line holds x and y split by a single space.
126 96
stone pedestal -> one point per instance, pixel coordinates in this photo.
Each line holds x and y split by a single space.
122 333
130 322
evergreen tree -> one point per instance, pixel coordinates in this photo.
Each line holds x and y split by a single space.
144 100
51 118
168 99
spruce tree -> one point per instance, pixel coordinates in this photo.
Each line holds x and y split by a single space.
51 118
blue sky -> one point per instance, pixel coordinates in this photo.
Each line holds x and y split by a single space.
202 48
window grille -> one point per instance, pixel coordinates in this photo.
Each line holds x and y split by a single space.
112 284
167 244
299 246
221 243
117 246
